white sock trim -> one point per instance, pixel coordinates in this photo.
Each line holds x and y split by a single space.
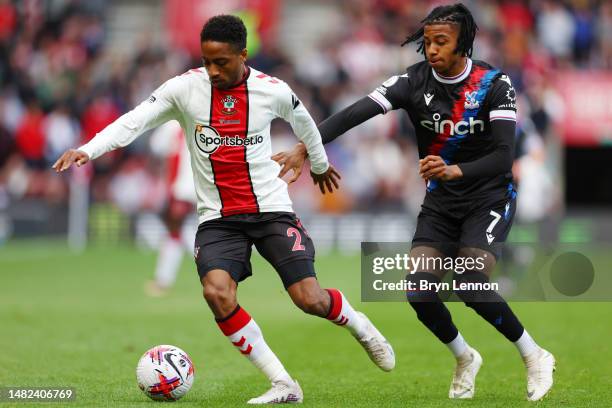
526 345
349 318
272 368
250 342
458 346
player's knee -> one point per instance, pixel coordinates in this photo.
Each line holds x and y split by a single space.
218 296
309 297
422 287
312 303
473 288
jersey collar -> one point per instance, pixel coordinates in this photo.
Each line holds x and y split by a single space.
456 79
247 74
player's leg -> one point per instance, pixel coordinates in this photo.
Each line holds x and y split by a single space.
238 326
493 308
432 312
333 305
482 237
488 303
284 242
219 277
435 237
171 249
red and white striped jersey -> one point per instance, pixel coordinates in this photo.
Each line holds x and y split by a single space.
228 137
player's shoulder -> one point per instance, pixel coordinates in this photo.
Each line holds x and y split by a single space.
272 89
266 83
192 75
414 74
419 70
497 75
182 83
397 83
501 94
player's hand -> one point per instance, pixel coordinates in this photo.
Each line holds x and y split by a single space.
435 168
328 179
70 156
292 160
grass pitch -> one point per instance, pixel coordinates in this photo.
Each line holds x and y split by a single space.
82 320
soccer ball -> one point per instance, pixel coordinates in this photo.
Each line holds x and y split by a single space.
165 373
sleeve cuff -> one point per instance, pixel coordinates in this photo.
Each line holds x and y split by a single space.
381 100
87 150
319 168
502 114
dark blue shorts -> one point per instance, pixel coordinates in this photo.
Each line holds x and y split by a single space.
482 223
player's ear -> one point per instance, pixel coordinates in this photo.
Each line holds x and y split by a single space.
243 54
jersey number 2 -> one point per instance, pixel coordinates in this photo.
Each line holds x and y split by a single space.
297 245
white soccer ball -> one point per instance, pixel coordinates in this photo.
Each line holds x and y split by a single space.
165 373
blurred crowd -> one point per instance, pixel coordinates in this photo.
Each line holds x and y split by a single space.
60 83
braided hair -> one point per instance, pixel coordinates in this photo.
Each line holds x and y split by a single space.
452 14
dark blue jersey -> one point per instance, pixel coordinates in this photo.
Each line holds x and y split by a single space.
453 118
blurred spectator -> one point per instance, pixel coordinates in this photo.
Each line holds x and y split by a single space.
515 15
100 113
61 133
584 35
8 20
61 84
558 40
6 148
604 30
30 138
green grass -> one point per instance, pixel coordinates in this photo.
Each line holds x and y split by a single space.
82 320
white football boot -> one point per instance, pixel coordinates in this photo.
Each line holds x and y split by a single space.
540 366
464 379
377 347
281 393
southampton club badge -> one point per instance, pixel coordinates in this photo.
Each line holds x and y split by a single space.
470 100
229 105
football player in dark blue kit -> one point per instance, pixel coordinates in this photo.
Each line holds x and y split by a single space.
464 114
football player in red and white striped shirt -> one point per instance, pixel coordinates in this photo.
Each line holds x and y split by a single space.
225 109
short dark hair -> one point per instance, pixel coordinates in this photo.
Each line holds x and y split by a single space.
227 29
453 14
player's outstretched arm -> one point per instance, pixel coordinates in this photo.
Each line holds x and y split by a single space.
329 129
339 123
159 108
68 158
